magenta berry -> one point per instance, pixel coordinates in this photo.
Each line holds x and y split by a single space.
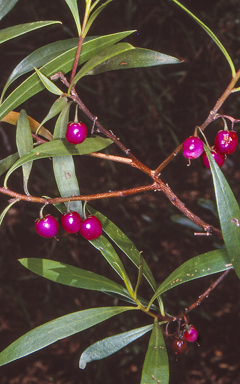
226 142
91 228
192 147
191 334
47 226
71 221
218 157
178 346
76 133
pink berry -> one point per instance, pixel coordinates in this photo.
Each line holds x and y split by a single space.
76 133
218 157
71 222
191 334
226 142
47 226
91 228
178 346
192 147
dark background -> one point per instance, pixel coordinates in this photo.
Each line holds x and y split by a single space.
151 110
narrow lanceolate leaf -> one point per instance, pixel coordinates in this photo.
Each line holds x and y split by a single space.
63 63
51 87
105 54
156 367
4 212
61 147
94 16
6 6
135 58
55 109
57 329
18 30
72 276
38 58
199 266
63 166
6 163
12 118
110 345
228 211
212 35
74 9
125 244
24 143
107 250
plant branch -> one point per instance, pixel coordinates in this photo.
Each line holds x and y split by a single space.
97 196
205 294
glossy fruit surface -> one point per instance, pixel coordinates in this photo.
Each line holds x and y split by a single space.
76 133
192 147
218 157
91 228
226 142
47 226
178 346
191 334
71 221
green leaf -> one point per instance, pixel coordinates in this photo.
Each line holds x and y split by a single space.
18 30
136 58
199 266
6 163
4 212
57 329
155 367
38 58
100 57
107 250
228 211
63 166
55 109
125 244
63 63
61 146
212 35
72 276
183 220
208 204
94 16
74 9
110 345
51 87
24 143
6 6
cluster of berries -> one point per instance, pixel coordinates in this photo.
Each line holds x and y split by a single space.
179 346
90 228
225 143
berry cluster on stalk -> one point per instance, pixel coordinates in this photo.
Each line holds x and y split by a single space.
90 228
225 144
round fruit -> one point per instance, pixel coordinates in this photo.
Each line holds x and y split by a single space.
91 228
191 334
192 147
178 346
218 157
76 133
71 222
47 226
226 142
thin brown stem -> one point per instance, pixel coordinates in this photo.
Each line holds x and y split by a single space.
97 196
205 294
110 135
75 64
